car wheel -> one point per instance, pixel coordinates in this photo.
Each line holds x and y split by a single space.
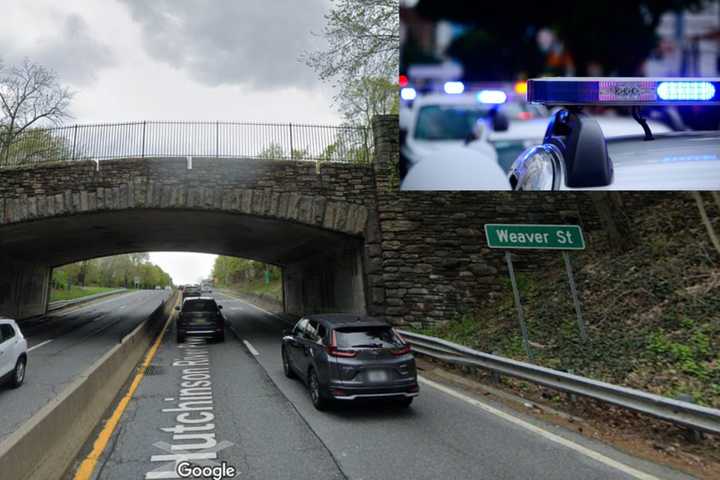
18 376
286 364
319 402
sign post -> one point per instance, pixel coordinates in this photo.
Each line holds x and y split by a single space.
518 305
573 291
538 237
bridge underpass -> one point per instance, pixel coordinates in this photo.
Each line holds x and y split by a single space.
322 269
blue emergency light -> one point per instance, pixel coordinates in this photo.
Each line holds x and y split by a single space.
569 91
454 88
408 94
493 97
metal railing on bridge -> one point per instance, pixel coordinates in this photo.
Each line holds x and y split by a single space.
269 141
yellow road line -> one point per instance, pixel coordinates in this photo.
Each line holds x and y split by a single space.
84 472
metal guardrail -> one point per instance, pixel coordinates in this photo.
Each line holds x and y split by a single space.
58 304
683 413
270 141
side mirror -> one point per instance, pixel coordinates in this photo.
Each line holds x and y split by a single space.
219 307
177 308
500 122
476 133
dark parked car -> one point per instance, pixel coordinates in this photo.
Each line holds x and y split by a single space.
200 316
348 357
191 291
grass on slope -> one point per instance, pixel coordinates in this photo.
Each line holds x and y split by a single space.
258 287
76 292
653 313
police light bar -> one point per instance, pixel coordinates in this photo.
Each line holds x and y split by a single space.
568 91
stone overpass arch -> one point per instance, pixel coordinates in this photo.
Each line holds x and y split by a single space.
313 220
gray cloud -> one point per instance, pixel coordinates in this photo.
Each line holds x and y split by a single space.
251 42
72 52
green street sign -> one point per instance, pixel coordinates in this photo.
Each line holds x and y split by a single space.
539 237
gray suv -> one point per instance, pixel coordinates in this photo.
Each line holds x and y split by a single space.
348 357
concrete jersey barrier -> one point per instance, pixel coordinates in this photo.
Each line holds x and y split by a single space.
44 447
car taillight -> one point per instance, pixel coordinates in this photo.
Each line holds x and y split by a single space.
402 350
335 352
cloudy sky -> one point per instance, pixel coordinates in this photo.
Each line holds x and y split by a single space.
129 60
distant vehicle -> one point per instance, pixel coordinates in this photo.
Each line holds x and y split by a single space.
191 291
347 357
576 152
206 286
13 353
158 287
200 316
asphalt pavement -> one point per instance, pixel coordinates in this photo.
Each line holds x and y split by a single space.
65 343
244 413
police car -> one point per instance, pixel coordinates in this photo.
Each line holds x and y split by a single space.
575 154
487 117
437 122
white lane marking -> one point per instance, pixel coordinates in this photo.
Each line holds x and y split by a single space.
251 305
543 433
251 348
39 345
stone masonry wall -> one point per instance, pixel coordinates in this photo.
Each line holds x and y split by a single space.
331 196
431 261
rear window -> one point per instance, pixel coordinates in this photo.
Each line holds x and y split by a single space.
200 306
371 337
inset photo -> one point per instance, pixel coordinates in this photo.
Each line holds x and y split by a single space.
560 95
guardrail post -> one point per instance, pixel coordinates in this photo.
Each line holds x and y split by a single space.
143 139
291 142
516 293
217 139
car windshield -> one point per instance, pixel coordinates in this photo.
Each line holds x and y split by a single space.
522 111
200 306
371 337
448 122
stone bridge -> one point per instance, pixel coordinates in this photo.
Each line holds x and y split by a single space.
346 239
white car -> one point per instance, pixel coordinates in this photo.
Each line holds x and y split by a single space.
439 122
13 353
458 169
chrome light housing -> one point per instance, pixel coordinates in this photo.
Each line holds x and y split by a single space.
537 168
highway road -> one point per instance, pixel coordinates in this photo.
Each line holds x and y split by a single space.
65 343
244 412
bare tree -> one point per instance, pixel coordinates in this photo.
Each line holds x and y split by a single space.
367 97
363 38
362 56
30 96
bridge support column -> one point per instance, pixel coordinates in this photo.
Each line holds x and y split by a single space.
24 288
325 283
